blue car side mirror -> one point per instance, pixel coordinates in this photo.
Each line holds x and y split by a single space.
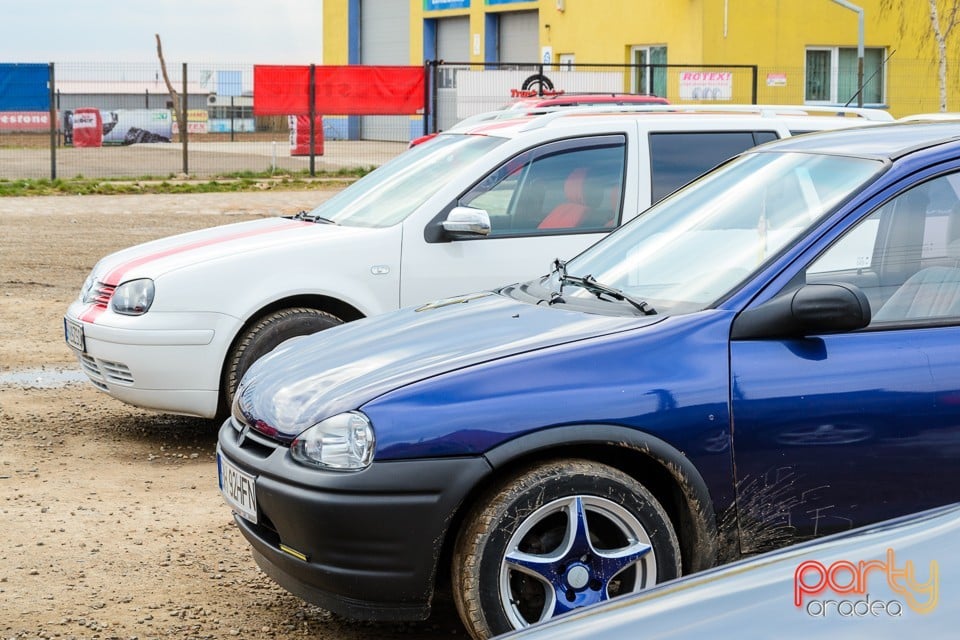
809 310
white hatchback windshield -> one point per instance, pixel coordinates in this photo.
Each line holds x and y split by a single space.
394 190
694 247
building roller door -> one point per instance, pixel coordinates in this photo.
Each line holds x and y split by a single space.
453 45
519 37
385 40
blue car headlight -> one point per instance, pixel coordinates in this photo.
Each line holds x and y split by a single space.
343 442
133 298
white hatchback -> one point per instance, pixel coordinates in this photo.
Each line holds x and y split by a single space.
172 324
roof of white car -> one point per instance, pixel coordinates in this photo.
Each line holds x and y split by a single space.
796 118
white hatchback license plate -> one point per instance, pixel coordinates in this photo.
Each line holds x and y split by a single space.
238 489
73 334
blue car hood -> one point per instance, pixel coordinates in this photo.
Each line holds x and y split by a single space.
311 378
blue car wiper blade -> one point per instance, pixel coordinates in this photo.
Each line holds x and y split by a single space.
599 289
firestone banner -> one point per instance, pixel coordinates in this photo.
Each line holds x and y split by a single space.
24 120
360 90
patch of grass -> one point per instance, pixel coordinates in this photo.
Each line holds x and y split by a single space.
234 182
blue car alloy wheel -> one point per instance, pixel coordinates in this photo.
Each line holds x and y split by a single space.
558 536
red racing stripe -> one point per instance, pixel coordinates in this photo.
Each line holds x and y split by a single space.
116 274
91 314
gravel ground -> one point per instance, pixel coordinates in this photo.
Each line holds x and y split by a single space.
113 525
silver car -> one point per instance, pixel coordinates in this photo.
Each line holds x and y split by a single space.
881 581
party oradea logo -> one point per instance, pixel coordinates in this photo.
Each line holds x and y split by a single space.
865 589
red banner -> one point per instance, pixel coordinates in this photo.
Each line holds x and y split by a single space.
340 90
24 121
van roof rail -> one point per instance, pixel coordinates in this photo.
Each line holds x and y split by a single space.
549 114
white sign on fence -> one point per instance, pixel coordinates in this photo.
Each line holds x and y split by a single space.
706 85
479 91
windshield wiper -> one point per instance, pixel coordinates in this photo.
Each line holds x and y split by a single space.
599 289
308 217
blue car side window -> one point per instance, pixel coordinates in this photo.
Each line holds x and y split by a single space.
905 256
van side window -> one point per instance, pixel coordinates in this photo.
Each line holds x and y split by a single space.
573 186
676 158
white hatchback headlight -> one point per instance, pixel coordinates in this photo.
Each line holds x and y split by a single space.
133 298
342 442
88 291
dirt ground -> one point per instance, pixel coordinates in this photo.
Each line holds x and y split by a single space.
113 526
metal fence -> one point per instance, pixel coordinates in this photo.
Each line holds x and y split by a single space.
139 138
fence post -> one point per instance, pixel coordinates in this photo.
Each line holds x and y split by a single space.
186 122
434 100
755 78
312 112
426 96
53 124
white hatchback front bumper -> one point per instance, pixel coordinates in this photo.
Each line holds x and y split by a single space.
163 361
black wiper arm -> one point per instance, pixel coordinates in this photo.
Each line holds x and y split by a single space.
307 217
560 268
590 284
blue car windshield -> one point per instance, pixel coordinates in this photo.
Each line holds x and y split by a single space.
694 247
393 191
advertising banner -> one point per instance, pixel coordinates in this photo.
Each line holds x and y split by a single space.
706 85
197 122
87 126
236 125
24 120
300 135
135 126
91 127
23 87
281 90
479 91
439 5
359 90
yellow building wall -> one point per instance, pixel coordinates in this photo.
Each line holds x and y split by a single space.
772 34
603 32
335 32
775 34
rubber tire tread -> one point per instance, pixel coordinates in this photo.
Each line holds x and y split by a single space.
263 335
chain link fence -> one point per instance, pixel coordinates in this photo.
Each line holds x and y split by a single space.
117 120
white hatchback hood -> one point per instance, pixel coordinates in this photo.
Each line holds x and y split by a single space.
155 258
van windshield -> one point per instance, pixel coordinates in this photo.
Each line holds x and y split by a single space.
390 193
694 247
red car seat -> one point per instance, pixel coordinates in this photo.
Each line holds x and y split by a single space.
570 213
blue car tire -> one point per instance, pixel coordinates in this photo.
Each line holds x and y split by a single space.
554 537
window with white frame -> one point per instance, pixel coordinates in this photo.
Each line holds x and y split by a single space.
647 79
831 75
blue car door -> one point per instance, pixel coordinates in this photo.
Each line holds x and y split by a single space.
835 431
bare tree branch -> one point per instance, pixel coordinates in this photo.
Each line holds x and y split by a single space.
174 96
944 16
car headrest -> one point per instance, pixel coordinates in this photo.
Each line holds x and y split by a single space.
573 186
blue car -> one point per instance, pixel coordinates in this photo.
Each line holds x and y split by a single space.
769 355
